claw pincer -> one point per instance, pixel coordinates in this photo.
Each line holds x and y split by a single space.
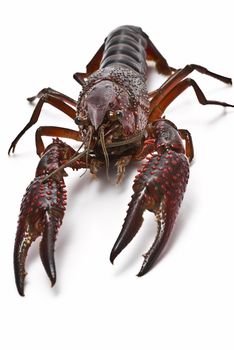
159 187
41 213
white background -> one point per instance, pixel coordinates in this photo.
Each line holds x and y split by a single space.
186 301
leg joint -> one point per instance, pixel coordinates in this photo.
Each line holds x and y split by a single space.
39 130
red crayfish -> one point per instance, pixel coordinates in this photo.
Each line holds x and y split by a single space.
119 122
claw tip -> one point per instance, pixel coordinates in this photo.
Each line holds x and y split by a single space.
52 280
140 274
144 269
112 258
20 289
113 255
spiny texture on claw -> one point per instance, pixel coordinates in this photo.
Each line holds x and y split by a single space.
41 212
159 187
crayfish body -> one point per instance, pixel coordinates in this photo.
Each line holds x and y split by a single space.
119 122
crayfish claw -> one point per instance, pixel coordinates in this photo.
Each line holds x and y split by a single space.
41 214
159 187
22 244
42 210
131 226
165 220
47 246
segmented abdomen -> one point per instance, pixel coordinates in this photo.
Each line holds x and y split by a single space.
126 46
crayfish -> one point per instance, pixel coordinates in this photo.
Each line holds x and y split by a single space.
118 122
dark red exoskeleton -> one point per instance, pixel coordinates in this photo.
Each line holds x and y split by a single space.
119 122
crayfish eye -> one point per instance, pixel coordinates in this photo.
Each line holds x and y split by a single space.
81 122
119 114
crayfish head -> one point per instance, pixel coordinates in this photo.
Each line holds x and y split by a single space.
107 103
